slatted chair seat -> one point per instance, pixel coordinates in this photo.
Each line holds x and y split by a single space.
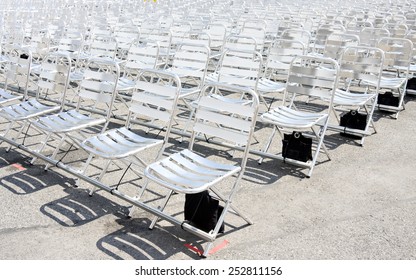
26 110
6 97
188 172
343 97
118 143
266 86
287 117
67 121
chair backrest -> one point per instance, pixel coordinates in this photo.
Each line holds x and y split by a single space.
336 42
191 62
103 46
397 54
360 63
258 33
397 30
125 35
53 78
217 33
279 57
228 123
369 36
301 35
97 90
164 39
241 70
72 46
355 27
39 44
241 44
141 55
312 78
322 34
155 99
17 67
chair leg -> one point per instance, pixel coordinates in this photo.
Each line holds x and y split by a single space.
161 208
55 152
269 142
17 136
41 148
100 177
84 169
137 197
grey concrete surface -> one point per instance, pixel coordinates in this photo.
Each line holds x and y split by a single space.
360 205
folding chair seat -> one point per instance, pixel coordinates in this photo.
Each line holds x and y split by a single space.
190 172
96 94
397 58
303 109
357 64
154 99
16 70
51 89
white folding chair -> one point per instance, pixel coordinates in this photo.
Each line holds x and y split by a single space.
307 84
52 85
156 100
16 70
397 59
190 172
357 64
96 94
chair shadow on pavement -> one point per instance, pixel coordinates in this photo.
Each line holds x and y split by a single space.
21 178
135 241
78 208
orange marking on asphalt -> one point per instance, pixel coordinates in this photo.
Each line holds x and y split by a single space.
212 251
18 166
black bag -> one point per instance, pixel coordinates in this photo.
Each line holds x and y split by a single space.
388 99
296 146
202 211
411 84
353 119
24 56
